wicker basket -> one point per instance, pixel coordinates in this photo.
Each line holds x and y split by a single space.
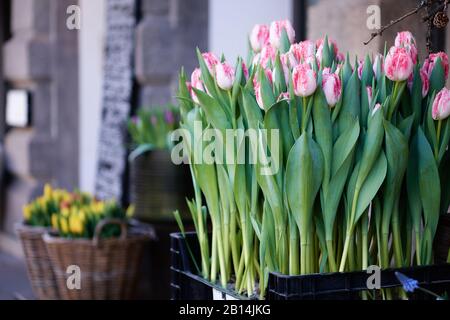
108 267
43 281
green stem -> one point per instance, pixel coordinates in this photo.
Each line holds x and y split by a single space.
304 120
418 244
331 258
384 250
213 276
438 136
293 250
394 96
397 243
345 252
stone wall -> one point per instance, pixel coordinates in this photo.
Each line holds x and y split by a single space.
166 38
345 21
41 57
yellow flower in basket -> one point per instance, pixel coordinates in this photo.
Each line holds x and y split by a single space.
63 225
65 212
55 221
27 212
76 225
48 192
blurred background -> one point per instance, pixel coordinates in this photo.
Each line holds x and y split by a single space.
57 73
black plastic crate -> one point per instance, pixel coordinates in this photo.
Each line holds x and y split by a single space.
186 285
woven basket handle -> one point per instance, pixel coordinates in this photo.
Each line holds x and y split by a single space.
105 222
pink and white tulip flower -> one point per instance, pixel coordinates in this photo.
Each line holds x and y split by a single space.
257 87
429 63
406 40
259 37
276 28
304 80
425 82
299 52
211 61
267 54
441 105
369 94
378 64
376 108
398 65
224 76
196 82
332 87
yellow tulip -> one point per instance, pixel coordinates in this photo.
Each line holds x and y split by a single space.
130 211
76 226
27 212
47 191
65 212
55 221
63 224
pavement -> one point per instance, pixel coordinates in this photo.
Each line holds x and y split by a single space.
14 282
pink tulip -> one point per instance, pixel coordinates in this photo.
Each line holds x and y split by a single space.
441 105
425 82
340 57
378 61
376 108
406 40
268 53
259 37
332 87
196 82
304 79
257 87
245 70
398 65
428 64
319 46
224 76
299 52
276 27
369 94
360 68
283 96
210 60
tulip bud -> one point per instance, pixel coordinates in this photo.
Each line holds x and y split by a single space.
398 65
304 80
196 82
369 94
425 82
245 70
406 40
268 53
378 64
259 37
441 105
257 87
224 76
360 68
428 64
332 87
276 27
283 96
210 60
299 52
376 108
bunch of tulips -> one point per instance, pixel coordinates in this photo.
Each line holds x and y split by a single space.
364 163
73 214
